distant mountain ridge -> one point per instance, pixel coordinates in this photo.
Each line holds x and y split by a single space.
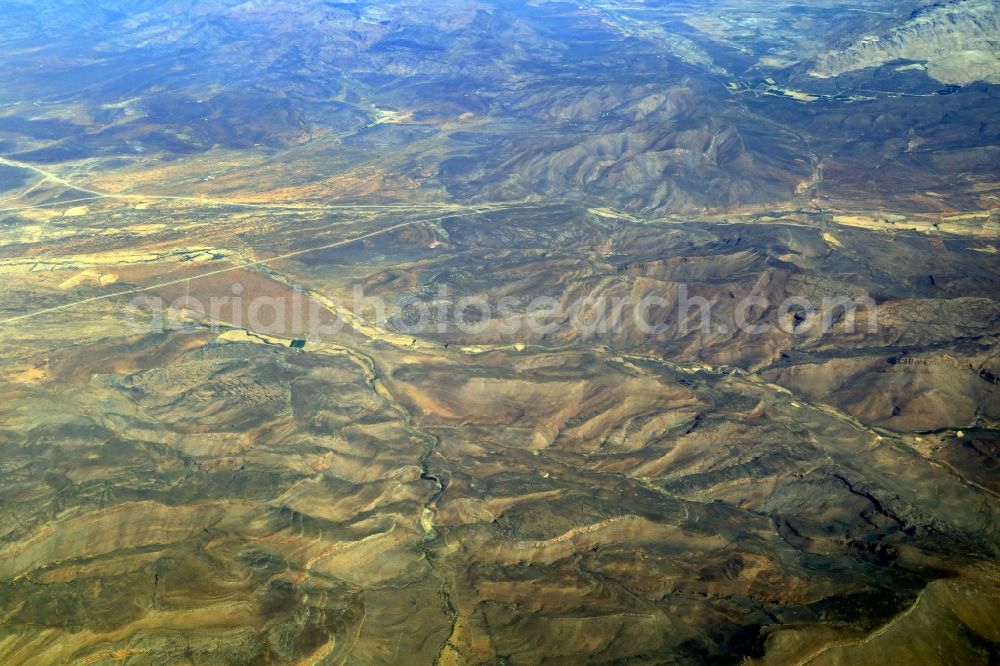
959 41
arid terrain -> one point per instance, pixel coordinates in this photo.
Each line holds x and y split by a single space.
455 332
